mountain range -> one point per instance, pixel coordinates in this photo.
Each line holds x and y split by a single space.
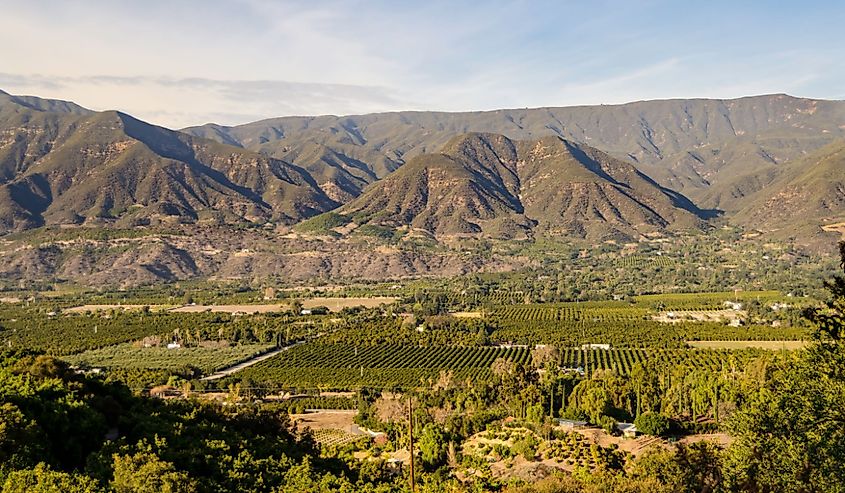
717 152
773 163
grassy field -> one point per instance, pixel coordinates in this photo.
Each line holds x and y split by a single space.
677 316
331 427
467 315
333 304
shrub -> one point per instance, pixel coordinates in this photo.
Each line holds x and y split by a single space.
526 446
652 423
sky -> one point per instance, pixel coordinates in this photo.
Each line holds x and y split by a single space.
183 62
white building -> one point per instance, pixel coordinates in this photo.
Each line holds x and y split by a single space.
605 347
628 430
570 424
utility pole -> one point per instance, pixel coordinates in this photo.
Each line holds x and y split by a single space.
411 442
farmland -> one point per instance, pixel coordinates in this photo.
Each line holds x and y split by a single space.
336 304
369 349
116 306
340 367
572 312
265 308
335 366
569 449
36 328
706 301
489 367
622 360
207 359
330 427
634 333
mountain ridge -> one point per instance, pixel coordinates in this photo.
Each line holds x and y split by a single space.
699 147
488 184
496 110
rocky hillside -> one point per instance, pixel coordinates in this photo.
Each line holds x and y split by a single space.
592 172
488 184
93 256
809 194
154 204
62 164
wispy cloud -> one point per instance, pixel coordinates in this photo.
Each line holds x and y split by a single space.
188 62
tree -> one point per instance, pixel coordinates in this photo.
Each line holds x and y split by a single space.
596 403
47 367
692 467
145 472
433 445
652 423
535 413
42 479
660 464
526 446
502 367
700 467
646 388
296 307
545 357
19 440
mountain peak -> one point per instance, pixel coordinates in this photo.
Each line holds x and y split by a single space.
47 105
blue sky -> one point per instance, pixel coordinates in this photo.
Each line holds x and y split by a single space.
180 63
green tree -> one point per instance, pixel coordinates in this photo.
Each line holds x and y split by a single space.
700 466
652 423
526 446
296 307
596 403
432 444
145 472
535 413
658 464
41 479
694 467
18 436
